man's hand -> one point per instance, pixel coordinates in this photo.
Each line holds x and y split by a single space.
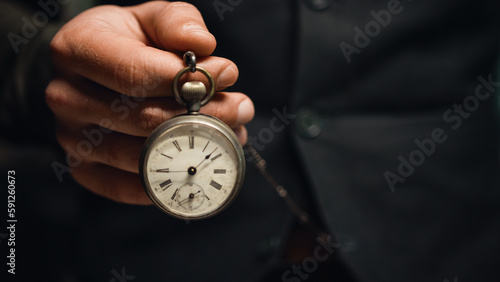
115 68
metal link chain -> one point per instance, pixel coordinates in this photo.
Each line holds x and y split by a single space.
303 217
298 212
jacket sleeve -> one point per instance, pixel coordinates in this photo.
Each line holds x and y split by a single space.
25 69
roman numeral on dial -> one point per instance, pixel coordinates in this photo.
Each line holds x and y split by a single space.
216 157
176 144
215 185
175 193
191 142
164 185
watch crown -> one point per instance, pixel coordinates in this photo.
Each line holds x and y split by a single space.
193 91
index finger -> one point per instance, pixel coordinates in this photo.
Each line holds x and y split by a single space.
113 53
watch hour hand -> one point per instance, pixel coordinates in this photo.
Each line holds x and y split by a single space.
167 170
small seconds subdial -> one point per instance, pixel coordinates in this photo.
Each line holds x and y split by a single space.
191 196
192 170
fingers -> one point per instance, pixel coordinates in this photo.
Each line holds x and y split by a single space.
116 67
89 103
87 113
138 71
108 46
242 134
114 184
94 144
107 162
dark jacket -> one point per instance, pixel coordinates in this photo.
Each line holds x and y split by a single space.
377 115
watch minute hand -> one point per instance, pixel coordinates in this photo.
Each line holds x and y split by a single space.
207 157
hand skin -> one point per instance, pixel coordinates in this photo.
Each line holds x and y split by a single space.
109 53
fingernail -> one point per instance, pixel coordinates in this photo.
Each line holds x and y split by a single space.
245 112
228 77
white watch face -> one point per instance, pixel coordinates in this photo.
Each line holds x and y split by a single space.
192 170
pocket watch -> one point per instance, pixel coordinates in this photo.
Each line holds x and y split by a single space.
192 166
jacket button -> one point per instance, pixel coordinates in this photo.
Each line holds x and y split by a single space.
308 123
318 5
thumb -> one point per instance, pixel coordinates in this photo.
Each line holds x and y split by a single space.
175 26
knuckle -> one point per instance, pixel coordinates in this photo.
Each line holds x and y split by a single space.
57 43
133 76
129 72
62 45
149 117
126 72
55 98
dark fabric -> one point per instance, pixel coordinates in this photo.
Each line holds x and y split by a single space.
443 220
24 73
369 108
